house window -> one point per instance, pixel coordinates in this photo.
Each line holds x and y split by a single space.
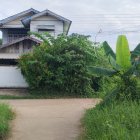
8 62
50 31
14 34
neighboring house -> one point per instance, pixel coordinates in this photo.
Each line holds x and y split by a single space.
15 29
16 41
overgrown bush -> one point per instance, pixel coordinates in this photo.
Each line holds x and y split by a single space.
60 64
124 68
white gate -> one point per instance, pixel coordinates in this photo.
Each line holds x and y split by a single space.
11 77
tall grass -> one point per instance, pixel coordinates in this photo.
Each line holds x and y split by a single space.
6 115
115 122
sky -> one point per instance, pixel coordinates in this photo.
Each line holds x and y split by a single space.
102 19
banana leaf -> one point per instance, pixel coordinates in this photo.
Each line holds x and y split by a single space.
108 50
136 52
123 56
114 64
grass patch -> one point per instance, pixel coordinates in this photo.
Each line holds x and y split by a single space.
116 122
6 115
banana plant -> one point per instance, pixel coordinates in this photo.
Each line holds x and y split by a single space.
124 65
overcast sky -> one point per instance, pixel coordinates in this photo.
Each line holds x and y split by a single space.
111 17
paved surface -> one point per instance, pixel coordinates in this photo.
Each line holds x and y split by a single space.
52 119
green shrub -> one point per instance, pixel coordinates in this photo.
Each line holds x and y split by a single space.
6 115
60 64
124 66
115 122
106 84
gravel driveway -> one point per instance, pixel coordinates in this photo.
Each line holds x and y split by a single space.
51 119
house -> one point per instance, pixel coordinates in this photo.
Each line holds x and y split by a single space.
15 29
16 41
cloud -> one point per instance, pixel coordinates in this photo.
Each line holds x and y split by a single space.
88 16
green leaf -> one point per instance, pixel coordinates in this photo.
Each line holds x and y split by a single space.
137 68
41 37
137 62
110 97
101 71
136 52
131 70
114 64
32 62
123 53
108 50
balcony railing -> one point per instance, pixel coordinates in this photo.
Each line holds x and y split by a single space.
12 37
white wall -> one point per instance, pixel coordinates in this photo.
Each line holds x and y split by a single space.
47 20
11 77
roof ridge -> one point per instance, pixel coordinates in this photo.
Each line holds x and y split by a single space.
53 13
17 15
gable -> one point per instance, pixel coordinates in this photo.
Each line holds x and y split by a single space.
47 23
14 24
16 19
62 24
45 18
17 22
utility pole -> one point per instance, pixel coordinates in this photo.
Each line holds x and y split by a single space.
95 41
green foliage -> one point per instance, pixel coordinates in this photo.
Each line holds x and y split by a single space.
136 52
105 85
101 71
60 64
5 116
113 119
124 69
108 50
123 53
115 122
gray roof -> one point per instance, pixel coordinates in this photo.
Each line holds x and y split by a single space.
19 40
11 18
49 13
9 56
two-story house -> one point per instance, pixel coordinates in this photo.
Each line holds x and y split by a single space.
16 41
15 29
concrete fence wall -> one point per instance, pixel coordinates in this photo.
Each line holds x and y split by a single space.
11 77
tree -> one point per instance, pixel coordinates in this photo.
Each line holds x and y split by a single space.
124 66
60 64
